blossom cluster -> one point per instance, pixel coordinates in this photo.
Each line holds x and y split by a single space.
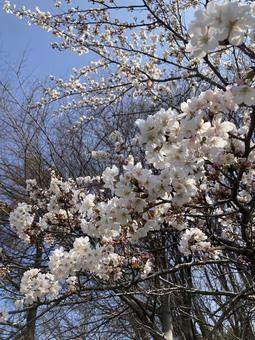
136 53
139 66
101 260
36 286
193 240
21 220
218 23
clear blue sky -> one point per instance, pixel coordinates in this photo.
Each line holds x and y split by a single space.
17 38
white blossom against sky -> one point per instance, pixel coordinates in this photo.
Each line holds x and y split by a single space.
18 39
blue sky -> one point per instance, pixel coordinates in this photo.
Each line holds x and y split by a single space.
17 38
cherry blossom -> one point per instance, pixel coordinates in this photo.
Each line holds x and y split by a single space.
188 174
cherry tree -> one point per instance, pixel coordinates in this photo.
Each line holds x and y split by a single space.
31 142
163 226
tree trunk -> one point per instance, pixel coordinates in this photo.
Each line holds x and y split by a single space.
30 328
166 318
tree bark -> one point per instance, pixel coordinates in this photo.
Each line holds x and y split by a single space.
29 333
166 318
